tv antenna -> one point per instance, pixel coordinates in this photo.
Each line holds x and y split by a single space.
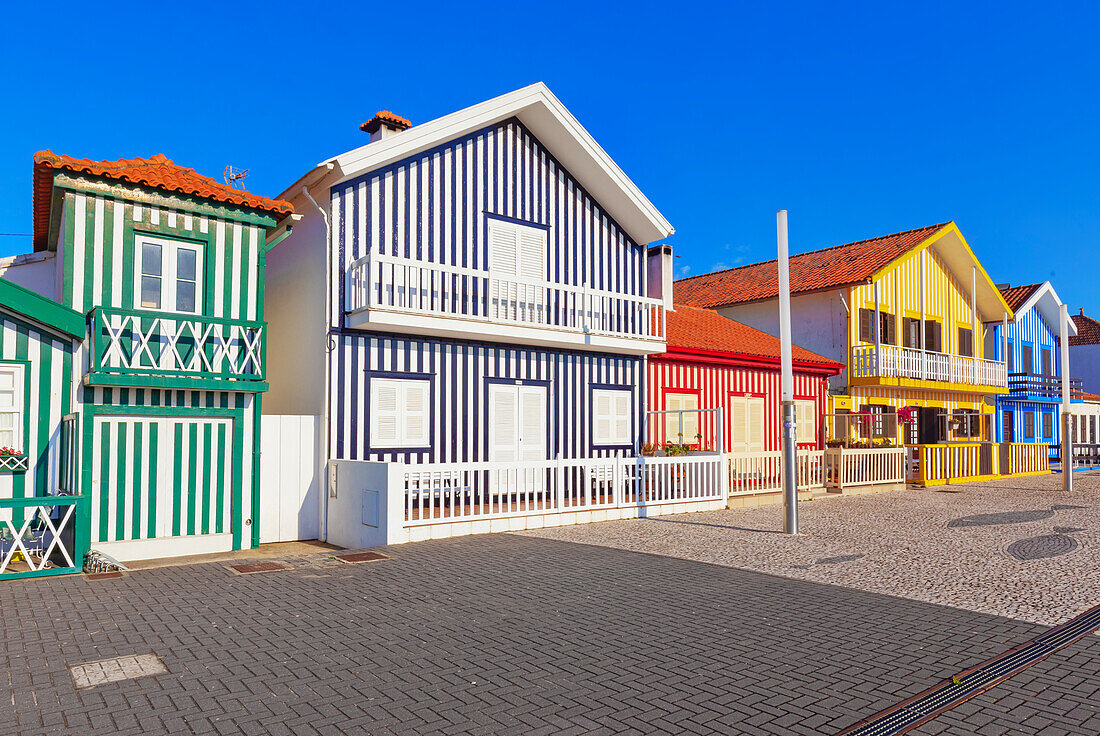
234 177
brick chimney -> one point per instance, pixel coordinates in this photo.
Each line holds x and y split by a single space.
384 124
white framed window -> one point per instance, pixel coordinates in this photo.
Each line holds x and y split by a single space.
806 415
399 412
169 275
747 424
682 428
611 412
13 405
516 249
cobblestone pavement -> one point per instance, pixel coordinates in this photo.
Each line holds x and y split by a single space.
508 634
950 545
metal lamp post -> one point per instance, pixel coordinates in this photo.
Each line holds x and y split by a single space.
1067 442
787 412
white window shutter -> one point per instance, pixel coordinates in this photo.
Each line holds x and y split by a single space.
505 436
755 430
532 252
603 418
416 413
622 418
739 442
503 252
533 425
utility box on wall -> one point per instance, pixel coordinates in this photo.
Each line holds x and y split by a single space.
366 504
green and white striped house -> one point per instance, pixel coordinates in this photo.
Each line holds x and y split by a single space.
165 268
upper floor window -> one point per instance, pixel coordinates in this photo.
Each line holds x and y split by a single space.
1027 364
887 327
516 249
169 275
1011 357
966 341
1048 363
13 404
933 336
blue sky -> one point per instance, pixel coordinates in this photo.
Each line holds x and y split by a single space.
860 119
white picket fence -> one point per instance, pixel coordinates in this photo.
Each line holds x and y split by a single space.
753 473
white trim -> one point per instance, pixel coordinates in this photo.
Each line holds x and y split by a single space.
404 433
611 416
545 116
169 279
150 549
19 404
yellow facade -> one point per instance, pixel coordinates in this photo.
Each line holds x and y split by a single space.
924 283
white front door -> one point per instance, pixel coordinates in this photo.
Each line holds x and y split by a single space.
517 432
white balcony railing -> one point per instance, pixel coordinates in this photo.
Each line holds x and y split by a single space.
415 287
893 361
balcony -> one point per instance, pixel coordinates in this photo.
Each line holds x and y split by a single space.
392 294
895 362
1032 385
167 350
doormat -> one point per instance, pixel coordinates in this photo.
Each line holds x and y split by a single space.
362 557
103 671
249 568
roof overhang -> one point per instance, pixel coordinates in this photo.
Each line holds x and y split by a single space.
23 302
952 247
547 118
1045 301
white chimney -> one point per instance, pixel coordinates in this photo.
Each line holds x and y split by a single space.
659 260
384 124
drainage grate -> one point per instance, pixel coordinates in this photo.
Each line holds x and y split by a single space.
248 568
362 557
925 706
103 671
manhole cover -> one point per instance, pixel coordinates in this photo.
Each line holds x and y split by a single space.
103 671
1040 548
248 568
362 557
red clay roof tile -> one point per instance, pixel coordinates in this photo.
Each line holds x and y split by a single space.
385 116
1088 331
828 268
692 328
156 172
1017 295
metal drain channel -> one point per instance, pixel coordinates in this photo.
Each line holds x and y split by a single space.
925 706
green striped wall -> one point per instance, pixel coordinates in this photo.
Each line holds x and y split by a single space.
98 254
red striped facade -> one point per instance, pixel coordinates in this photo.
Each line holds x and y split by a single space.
717 378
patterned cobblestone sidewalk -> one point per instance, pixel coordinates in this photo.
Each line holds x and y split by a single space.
1019 548
507 634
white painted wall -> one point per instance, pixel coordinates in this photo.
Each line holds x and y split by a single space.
290 483
295 310
818 320
1084 363
34 271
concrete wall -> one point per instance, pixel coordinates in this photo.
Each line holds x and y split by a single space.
295 309
1084 363
818 320
34 271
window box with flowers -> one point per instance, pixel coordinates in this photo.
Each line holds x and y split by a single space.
12 460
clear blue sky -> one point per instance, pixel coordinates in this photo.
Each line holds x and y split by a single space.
860 119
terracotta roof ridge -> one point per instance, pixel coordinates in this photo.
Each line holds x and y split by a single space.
820 250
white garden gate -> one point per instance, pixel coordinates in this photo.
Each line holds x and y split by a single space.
289 480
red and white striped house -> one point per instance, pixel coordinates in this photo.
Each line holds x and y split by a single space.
713 361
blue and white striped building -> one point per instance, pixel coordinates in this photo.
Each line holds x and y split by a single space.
475 288
1030 411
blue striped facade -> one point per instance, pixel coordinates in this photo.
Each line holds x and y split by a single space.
434 207
460 374
1028 328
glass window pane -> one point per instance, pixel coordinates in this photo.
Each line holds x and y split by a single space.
185 264
185 296
150 292
150 259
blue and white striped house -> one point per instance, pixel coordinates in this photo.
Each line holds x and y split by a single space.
475 289
1030 412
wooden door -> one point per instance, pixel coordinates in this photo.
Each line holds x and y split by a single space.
1006 424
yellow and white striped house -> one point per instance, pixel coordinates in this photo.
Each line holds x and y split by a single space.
906 313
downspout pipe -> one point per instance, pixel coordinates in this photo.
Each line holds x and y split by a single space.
322 530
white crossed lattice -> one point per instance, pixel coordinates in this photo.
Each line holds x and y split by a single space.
238 345
42 512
